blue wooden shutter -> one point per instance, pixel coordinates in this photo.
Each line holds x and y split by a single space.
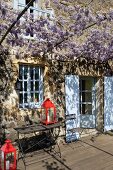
72 105
108 103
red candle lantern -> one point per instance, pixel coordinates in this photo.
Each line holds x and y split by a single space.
48 115
8 156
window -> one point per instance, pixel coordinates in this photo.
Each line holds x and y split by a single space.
31 86
20 4
36 11
87 94
35 8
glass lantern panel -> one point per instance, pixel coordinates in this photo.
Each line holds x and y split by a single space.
9 160
51 114
2 155
43 115
10 157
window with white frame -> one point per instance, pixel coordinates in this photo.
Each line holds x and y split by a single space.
20 4
35 8
31 86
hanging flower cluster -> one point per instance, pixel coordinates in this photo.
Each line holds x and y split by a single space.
78 33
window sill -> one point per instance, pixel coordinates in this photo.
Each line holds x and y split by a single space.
32 105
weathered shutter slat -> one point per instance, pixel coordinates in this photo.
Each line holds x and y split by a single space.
108 103
72 106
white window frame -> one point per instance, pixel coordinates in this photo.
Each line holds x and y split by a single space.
29 103
18 5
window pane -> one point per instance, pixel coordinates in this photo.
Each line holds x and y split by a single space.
36 97
87 84
25 72
86 97
25 97
36 73
36 86
86 109
32 98
25 85
20 73
31 73
20 98
20 86
31 85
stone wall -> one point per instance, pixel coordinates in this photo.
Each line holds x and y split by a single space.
54 88
54 78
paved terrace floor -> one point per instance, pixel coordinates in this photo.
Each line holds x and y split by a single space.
91 153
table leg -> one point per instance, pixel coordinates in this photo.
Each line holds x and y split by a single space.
53 136
21 152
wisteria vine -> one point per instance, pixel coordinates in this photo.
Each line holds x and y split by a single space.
75 32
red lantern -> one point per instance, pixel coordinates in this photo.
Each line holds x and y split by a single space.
48 115
8 156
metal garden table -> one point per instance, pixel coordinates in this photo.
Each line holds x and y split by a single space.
43 137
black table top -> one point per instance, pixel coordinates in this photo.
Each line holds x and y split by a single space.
36 128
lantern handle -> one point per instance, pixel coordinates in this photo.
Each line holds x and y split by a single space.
8 141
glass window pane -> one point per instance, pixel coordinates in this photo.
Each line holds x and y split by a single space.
86 97
36 73
20 98
25 72
80 108
20 72
36 86
31 73
20 86
32 97
86 109
87 84
25 85
36 97
25 97
31 85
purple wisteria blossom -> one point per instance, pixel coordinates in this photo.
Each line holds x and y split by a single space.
60 36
